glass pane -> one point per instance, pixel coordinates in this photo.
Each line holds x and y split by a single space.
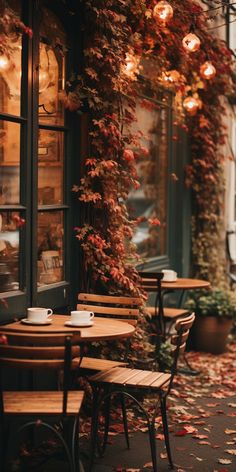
150 200
50 247
51 69
10 65
50 172
9 163
9 250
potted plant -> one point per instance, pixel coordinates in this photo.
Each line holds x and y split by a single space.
215 311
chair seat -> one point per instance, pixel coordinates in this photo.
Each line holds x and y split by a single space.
121 376
171 313
91 363
41 402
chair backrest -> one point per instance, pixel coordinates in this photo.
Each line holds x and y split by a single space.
110 306
150 280
179 339
41 351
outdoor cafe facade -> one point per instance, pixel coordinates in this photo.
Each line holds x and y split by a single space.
42 150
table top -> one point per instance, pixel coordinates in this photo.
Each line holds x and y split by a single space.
178 284
101 330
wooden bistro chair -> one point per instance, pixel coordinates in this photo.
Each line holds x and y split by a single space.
133 382
108 306
151 282
40 352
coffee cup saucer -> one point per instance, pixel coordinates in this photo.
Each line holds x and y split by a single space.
38 323
80 324
169 280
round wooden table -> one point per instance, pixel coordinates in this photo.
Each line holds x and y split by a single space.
178 284
101 330
185 284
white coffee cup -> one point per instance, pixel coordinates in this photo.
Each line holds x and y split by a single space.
169 275
38 315
81 317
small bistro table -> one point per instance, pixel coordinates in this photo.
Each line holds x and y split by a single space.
180 283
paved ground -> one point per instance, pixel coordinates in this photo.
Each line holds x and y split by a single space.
202 419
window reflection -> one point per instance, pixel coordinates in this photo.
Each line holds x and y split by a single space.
150 200
9 162
10 78
10 224
51 69
50 247
50 172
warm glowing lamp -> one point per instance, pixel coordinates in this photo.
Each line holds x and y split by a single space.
171 76
207 70
4 62
163 12
191 42
191 105
132 65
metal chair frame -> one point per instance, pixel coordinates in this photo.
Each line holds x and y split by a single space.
28 352
104 389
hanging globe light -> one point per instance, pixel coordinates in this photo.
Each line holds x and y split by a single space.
4 62
171 76
192 104
207 70
191 42
163 12
131 68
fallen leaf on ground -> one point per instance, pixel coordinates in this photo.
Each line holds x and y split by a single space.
230 431
231 451
224 461
147 465
163 455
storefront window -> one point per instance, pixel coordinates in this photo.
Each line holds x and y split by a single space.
149 202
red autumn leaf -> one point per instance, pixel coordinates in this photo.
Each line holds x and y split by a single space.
154 221
181 432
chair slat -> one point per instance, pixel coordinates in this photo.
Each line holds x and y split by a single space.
92 363
57 339
32 352
116 311
41 403
108 299
185 323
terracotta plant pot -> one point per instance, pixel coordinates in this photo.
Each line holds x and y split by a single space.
210 334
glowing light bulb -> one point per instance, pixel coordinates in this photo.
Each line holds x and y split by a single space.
163 12
207 70
191 42
44 80
131 67
171 76
4 62
192 104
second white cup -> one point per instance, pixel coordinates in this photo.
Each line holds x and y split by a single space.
169 275
81 317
